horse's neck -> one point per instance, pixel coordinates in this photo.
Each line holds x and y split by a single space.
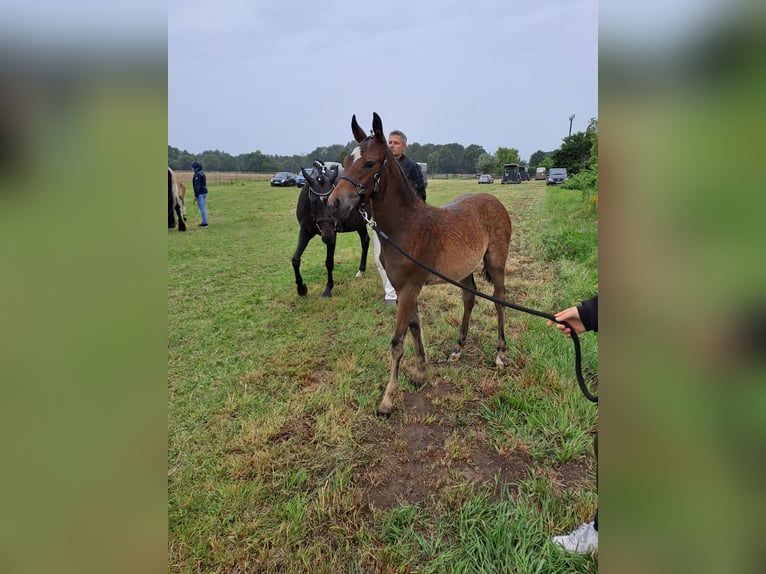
394 206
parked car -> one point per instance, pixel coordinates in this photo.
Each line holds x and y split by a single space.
486 178
556 175
540 173
283 179
299 179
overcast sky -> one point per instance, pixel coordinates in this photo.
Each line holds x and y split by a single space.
285 76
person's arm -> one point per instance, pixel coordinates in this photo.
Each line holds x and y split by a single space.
589 313
420 183
581 318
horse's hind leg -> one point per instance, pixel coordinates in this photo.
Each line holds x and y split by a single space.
497 275
468 302
364 238
420 350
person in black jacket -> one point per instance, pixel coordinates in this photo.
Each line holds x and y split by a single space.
397 141
200 191
582 318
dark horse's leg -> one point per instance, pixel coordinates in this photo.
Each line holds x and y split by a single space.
303 240
171 217
364 238
468 302
181 222
329 263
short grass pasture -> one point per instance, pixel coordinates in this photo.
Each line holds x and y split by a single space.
277 461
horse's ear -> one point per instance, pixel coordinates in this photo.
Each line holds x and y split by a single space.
307 176
358 132
333 173
377 127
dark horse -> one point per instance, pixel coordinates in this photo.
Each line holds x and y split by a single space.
175 203
315 219
453 240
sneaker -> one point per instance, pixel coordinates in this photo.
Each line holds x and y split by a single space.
202 225
581 541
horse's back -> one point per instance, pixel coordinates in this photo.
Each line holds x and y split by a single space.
483 209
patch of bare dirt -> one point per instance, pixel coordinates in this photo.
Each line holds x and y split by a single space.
425 449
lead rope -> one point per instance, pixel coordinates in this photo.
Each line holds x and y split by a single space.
575 340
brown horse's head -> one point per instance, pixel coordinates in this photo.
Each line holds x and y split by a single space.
320 183
363 168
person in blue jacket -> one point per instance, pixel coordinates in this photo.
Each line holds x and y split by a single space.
200 191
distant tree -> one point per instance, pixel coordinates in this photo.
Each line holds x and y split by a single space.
486 163
416 152
178 159
435 162
537 157
470 157
456 151
592 133
574 153
506 155
447 160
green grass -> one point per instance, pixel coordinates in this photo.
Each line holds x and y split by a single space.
272 426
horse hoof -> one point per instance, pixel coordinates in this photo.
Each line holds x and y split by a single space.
302 290
359 274
454 357
327 294
383 413
500 363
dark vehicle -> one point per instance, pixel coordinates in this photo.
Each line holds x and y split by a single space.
486 178
556 175
523 173
283 179
511 173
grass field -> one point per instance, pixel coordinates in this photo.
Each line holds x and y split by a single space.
276 459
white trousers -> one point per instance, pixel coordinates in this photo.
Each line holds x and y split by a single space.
387 287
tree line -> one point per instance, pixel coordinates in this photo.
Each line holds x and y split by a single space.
574 154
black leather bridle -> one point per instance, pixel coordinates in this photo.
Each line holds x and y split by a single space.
361 189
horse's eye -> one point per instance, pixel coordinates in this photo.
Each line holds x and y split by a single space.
369 164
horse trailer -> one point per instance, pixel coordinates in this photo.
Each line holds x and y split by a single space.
511 173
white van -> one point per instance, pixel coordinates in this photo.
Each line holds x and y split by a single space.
540 173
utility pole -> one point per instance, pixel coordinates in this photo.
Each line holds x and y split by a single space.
570 123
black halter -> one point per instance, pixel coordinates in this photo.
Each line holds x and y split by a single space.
320 166
360 189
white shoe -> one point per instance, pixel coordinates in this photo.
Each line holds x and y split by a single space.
581 541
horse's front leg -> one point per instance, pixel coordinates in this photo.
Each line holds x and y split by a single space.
364 238
329 262
303 241
404 316
469 299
